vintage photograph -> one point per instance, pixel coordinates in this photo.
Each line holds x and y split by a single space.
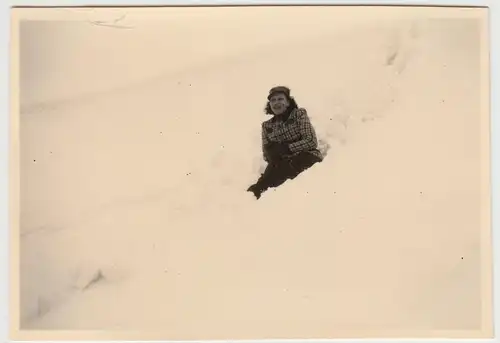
251 172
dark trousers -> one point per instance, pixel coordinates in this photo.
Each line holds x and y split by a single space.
277 172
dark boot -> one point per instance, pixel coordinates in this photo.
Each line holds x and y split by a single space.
255 190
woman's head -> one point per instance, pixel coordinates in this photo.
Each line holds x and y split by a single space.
279 101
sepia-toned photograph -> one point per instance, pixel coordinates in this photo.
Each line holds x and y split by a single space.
250 172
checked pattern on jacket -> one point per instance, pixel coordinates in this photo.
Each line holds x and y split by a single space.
297 131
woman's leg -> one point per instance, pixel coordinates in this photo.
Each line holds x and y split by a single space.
274 175
301 163
277 173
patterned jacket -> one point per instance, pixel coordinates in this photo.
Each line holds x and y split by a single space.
297 131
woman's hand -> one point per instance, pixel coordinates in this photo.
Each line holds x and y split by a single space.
277 150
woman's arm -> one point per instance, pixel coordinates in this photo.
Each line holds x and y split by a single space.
308 139
265 143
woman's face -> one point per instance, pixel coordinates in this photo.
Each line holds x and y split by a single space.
279 103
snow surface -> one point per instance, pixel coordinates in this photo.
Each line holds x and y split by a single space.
133 210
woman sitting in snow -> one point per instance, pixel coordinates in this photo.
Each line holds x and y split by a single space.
289 142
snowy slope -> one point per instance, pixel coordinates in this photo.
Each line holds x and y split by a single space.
139 195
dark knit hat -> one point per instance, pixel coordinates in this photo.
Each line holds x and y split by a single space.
279 89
